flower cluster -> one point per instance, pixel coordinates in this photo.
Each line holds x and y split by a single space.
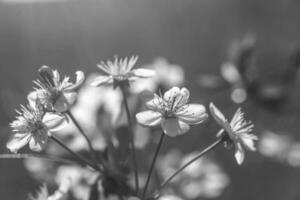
44 113
104 172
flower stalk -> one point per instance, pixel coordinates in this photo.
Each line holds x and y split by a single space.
82 161
206 150
132 145
38 156
92 150
153 163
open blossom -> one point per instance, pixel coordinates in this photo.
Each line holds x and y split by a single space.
173 112
60 194
32 126
238 130
120 72
54 93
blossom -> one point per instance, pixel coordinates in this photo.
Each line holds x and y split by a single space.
33 126
54 93
238 130
120 72
173 112
60 194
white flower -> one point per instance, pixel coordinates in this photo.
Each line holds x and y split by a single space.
238 130
54 93
120 72
173 112
33 126
60 194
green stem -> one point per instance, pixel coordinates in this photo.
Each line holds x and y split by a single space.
92 150
82 161
153 163
135 167
206 150
39 156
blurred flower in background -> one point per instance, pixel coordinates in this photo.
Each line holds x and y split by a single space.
203 178
167 75
60 194
280 147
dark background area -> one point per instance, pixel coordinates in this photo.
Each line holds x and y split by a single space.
76 35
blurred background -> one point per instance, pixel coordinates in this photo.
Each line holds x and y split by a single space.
76 34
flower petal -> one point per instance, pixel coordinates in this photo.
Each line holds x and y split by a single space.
230 73
48 75
148 118
155 104
102 80
171 94
142 73
239 153
39 140
182 98
248 141
32 97
54 121
184 127
217 114
131 63
79 81
173 127
104 67
192 114
17 141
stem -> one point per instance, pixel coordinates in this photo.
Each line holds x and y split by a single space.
82 161
153 163
209 148
92 150
135 167
45 157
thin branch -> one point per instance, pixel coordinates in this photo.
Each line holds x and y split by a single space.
37 156
82 161
92 150
153 163
206 150
135 167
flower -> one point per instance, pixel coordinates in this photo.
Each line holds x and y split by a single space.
60 194
54 93
33 126
120 72
238 130
173 112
